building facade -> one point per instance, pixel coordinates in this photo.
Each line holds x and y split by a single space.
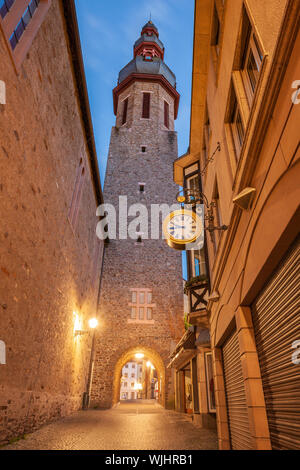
131 381
245 103
141 303
49 191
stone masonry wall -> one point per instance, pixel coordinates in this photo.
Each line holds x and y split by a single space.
46 267
152 265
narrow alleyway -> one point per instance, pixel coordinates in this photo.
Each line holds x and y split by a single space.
131 426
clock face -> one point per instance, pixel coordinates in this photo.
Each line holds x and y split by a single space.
182 227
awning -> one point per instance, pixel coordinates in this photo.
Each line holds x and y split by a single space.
184 350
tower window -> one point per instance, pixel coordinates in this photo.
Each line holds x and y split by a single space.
144 149
125 109
142 187
146 106
142 306
166 114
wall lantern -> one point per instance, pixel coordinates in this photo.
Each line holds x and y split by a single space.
93 323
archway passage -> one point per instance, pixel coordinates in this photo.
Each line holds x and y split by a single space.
149 380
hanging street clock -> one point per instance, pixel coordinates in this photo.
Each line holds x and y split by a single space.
181 228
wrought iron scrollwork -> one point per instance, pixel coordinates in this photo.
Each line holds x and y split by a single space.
193 197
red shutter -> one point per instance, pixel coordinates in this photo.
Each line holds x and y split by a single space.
124 119
146 106
167 122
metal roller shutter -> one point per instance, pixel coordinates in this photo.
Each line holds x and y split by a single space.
235 395
277 325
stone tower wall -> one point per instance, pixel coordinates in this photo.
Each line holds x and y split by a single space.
152 265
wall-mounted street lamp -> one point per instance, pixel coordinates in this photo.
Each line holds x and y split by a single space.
93 323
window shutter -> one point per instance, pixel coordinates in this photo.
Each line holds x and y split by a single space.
146 106
167 122
125 108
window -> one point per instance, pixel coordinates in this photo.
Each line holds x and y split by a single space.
192 183
125 109
77 194
125 384
133 366
250 56
146 106
126 366
142 187
144 149
5 6
23 23
126 375
20 21
198 263
166 114
139 240
141 305
210 383
206 138
215 38
132 384
236 125
132 376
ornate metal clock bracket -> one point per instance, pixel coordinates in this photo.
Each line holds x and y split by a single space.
192 197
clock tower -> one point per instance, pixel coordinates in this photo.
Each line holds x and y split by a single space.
141 302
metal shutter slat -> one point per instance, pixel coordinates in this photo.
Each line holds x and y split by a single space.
277 325
235 395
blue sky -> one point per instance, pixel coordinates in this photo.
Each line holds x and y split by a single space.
108 30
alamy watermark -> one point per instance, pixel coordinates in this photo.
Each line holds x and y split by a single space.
128 222
2 92
296 94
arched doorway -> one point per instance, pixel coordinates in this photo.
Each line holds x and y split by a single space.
152 369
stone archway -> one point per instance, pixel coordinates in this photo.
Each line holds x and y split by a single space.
128 356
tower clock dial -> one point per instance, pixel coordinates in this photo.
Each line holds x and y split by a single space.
181 228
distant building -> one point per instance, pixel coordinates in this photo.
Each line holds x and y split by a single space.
131 381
